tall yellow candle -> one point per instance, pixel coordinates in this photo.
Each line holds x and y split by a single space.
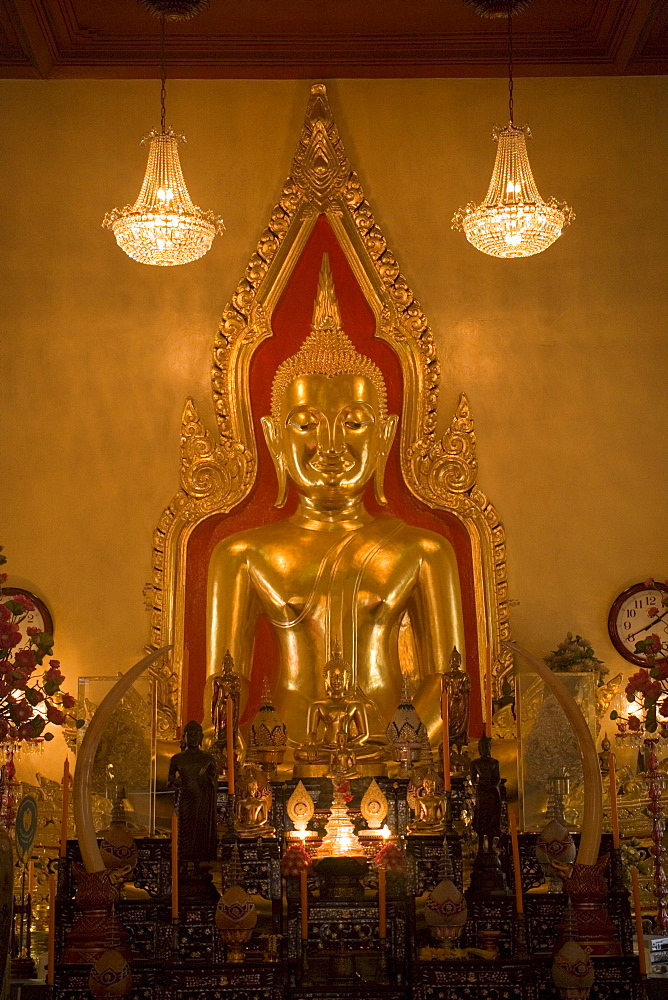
613 801
229 727
303 894
446 740
51 954
175 866
185 676
517 871
66 807
642 958
382 904
488 694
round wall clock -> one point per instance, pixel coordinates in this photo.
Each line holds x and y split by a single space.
39 617
637 614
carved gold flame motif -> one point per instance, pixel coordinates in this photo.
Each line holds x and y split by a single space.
300 808
374 806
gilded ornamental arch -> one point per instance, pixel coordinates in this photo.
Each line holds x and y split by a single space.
227 480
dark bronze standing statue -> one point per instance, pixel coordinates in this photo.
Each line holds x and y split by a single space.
486 779
487 877
193 773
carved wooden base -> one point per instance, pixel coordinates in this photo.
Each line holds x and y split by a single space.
344 959
196 883
487 877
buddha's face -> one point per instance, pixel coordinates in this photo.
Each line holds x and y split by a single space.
331 434
336 683
193 735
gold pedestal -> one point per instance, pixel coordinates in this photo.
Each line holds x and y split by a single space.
426 831
374 769
255 832
303 770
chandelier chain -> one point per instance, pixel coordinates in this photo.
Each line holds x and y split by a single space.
510 60
163 76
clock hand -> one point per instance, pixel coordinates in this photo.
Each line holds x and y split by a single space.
654 621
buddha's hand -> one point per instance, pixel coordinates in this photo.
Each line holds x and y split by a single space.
308 752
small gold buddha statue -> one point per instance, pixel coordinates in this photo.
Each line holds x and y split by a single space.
225 685
332 569
337 730
457 683
428 809
604 756
252 805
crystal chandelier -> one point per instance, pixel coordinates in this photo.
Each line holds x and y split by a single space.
163 227
513 220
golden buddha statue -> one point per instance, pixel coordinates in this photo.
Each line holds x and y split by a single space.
252 805
337 729
332 570
428 808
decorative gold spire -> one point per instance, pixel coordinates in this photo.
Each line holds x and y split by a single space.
327 350
326 314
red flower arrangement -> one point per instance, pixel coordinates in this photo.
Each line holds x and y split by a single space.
648 687
295 860
391 858
28 701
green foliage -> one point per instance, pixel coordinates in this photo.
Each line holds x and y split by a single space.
575 655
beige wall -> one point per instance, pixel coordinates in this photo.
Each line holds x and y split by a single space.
563 356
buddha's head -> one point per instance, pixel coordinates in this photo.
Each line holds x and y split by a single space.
329 430
193 734
429 785
337 674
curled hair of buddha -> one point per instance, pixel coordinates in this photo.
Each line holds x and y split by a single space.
327 350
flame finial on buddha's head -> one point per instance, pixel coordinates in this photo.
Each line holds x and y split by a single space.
327 350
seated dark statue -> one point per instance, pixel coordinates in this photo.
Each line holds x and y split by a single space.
193 773
486 779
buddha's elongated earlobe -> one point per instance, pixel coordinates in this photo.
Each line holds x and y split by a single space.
387 431
271 437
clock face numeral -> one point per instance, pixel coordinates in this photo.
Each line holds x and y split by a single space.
638 614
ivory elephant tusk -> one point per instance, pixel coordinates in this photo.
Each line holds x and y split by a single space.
592 821
81 795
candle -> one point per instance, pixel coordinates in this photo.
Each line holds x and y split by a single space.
488 694
613 801
175 866
517 871
303 892
185 677
642 958
229 727
66 807
52 930
382 904
446 739
31 877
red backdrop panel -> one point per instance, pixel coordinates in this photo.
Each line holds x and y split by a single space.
291 323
